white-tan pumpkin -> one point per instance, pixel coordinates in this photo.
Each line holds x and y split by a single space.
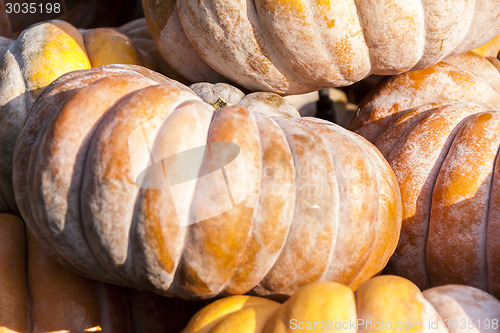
439 128
130 178
298 46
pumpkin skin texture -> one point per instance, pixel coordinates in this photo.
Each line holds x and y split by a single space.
439 129
39 295
384 300
42 53
288 222
293 47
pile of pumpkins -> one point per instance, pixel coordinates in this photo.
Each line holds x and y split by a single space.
134 201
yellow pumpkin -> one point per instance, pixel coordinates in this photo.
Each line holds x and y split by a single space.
384 303
489 49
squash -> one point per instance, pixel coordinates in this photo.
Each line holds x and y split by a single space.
439 128
384 303
80 13
490 49
294 47
38 295
130 178
42 53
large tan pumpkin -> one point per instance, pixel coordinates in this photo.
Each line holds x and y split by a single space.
299 46
439 128
382 304
41 54
38 295
130 178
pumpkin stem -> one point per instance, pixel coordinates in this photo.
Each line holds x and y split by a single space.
220 103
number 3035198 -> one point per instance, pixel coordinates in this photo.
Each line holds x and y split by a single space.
464 324
32 8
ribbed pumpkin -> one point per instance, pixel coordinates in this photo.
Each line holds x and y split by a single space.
131 178
40 55
384 303
293 47
439 128
38 295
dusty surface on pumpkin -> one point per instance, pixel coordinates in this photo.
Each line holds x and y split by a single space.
293 47
288 208
438 128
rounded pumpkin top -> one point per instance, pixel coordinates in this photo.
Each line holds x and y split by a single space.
162 192
292 47
465 78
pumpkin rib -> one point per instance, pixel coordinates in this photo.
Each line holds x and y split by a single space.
277 61
14 77
487 240
63 179
39 114
329 273
265 284
341 145
460 205
373 260
385 246
241 263
493 231
155 218
271 206
486 15
307 250
383 21
401 157
110 242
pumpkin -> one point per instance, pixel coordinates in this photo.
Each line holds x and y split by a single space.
489 49
383 303
130 178
81 13
293 47
38 295
41 54
439 129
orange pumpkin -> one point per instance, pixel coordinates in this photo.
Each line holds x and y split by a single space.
247 197
293 47
439 128
38 295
